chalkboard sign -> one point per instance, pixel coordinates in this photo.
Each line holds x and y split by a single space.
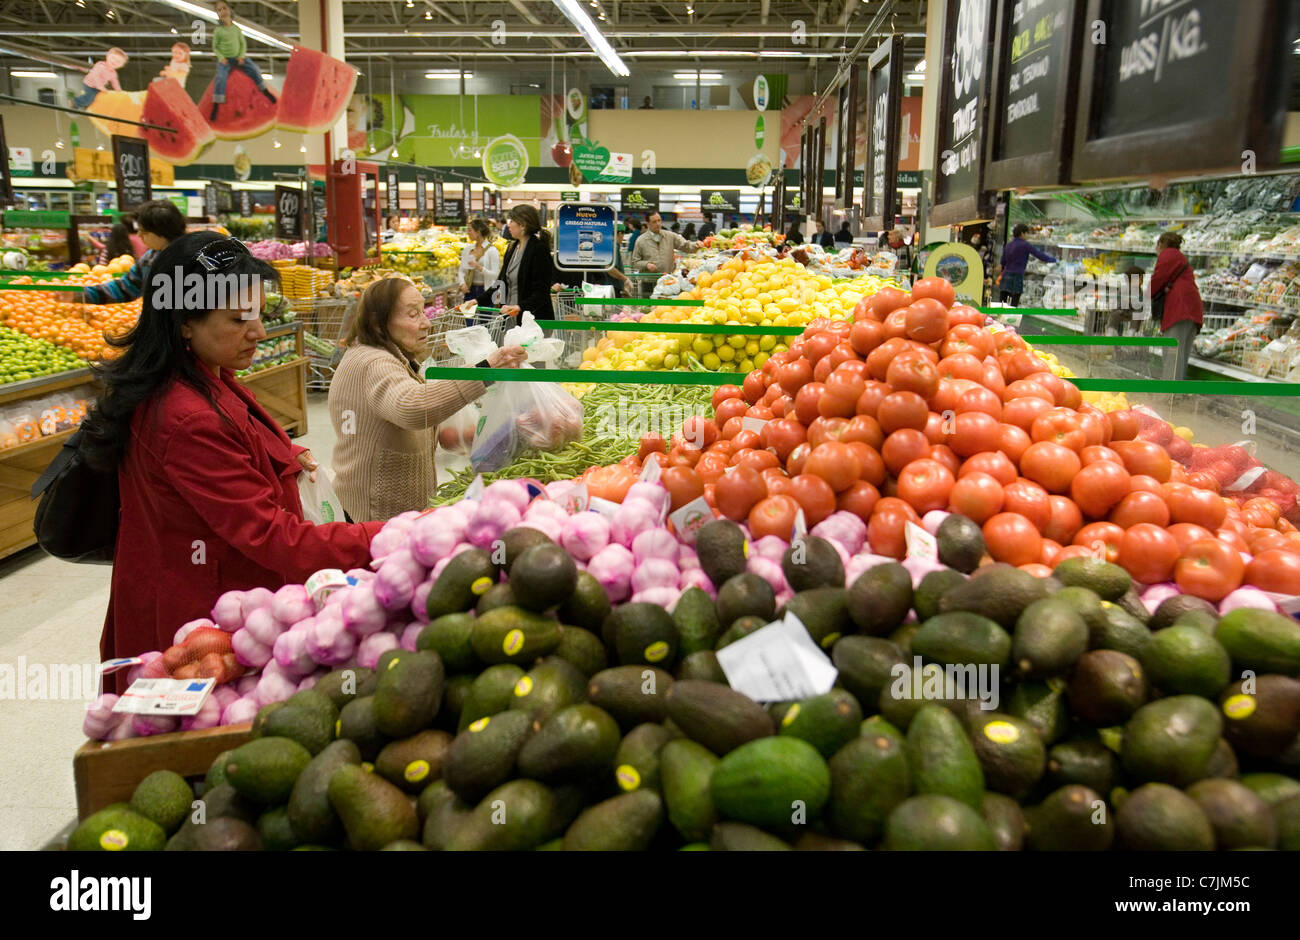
846 131
288 213
437 197
805 163
720 200
421 193
6 184
819 168
453 207
1034 89
131 170
778 200
245 202
959 193
884 94
640 199
1182 87
394 192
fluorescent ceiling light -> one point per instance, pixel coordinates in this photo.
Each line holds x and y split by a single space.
579 18
703 76
920 66
19 73
207 13
447 73
779 54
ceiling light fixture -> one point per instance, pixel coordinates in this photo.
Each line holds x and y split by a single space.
702 76
22 73
250 31
302 149
590 32
447 73
428 15
275 142
779 54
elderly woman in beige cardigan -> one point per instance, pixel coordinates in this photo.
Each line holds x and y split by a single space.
385 415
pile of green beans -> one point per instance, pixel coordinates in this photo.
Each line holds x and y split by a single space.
597 446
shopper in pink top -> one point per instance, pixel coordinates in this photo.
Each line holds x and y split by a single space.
102 74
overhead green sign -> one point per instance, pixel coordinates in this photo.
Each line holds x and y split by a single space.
570 195
505 161
17 218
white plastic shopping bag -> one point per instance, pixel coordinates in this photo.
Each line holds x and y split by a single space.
320 504
523 416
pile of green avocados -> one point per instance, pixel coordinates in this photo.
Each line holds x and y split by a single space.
534 716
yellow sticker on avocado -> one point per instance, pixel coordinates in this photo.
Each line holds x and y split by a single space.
513 642
113 840
524 686
656 651
744 548
627 777
790 716
1002 732
1239 706
338 728
480 724
416 771
830 641
481 585
367 766
393 662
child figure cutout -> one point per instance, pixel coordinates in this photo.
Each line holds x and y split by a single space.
230 48
178 69
102 74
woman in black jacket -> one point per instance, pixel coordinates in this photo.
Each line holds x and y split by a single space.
527 271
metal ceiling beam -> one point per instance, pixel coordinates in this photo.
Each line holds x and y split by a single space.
528 15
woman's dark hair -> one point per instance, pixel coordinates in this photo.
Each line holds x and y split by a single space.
370 325
161 218
531 220
844 225
156 354
119 241
478 225
690 230
1169 240
1020 230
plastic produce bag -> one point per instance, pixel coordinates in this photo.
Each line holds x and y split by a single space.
456 434
523 416
473 343
534 342
320 504
603 291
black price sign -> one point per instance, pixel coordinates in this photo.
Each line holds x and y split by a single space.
884 92
453 208
421 193
720 200
641 199
288 213
1182 87
846 133
1035 56
437 197
245 202
6 185
131 169
959 133
394 194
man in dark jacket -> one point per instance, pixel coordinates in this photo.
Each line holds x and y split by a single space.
708 228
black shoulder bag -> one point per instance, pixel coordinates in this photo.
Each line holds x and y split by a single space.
1158 298
78 514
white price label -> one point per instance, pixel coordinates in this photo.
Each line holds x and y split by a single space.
475 490
753 424
920 543
603 506
165 696
573 498
689 519
652 471
777 663
324 582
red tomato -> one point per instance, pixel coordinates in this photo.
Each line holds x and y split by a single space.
732 427
798 457
1059 426
1123 425
1053 466
822 371
1096 430
783 435
896 323
723 392
1072 551
814 495
711 466
884 302
807 402
1013 441
1211 569
730 408
869 401
1065 520
995 464
1145 458
863 428
724 448
683 485
902 410
760 460
902 447
1148 553
1275 569
1140 507
1012 538
1028 388
1185 533
936 287
1266 505
977 496
865 336
819 345
826 429
962 314
872 464
1233 538
1101 539
974 432
746 439
1095 452
841 354
926 319
967 338
979 399
885 528
836 463
754 387
913 373
925 483
737 490
992 378
878 359
859 499
794 375
1051 548
949 393
699 432
1028 499
773 516
836 406
1023 411
937 428
1141 481
962 365
1098 486
945 456
1188 504
1021 364
777 482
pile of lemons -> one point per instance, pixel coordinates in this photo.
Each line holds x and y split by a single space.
747 292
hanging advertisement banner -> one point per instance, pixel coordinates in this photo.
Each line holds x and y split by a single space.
505 161
584 237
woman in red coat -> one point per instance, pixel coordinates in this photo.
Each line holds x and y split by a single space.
208 480
1172 277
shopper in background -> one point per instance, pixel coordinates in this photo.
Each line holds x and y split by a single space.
707 228
480 262
208 480
1015 256
633 225
385 415
844 236
160 223
527 271
978 239
1176 301
677 228
646 105
794 236
654 251
823 237
689 232
138 247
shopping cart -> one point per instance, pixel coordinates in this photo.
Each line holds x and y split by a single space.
325 324
457 318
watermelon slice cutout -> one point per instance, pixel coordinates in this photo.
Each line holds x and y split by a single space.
245 113
316 92
168 105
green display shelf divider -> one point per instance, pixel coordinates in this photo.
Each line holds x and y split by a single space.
581 376
635 302
1102 341
1029 311
43 287
1227 387
642 327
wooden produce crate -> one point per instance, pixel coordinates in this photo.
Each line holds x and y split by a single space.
108 772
